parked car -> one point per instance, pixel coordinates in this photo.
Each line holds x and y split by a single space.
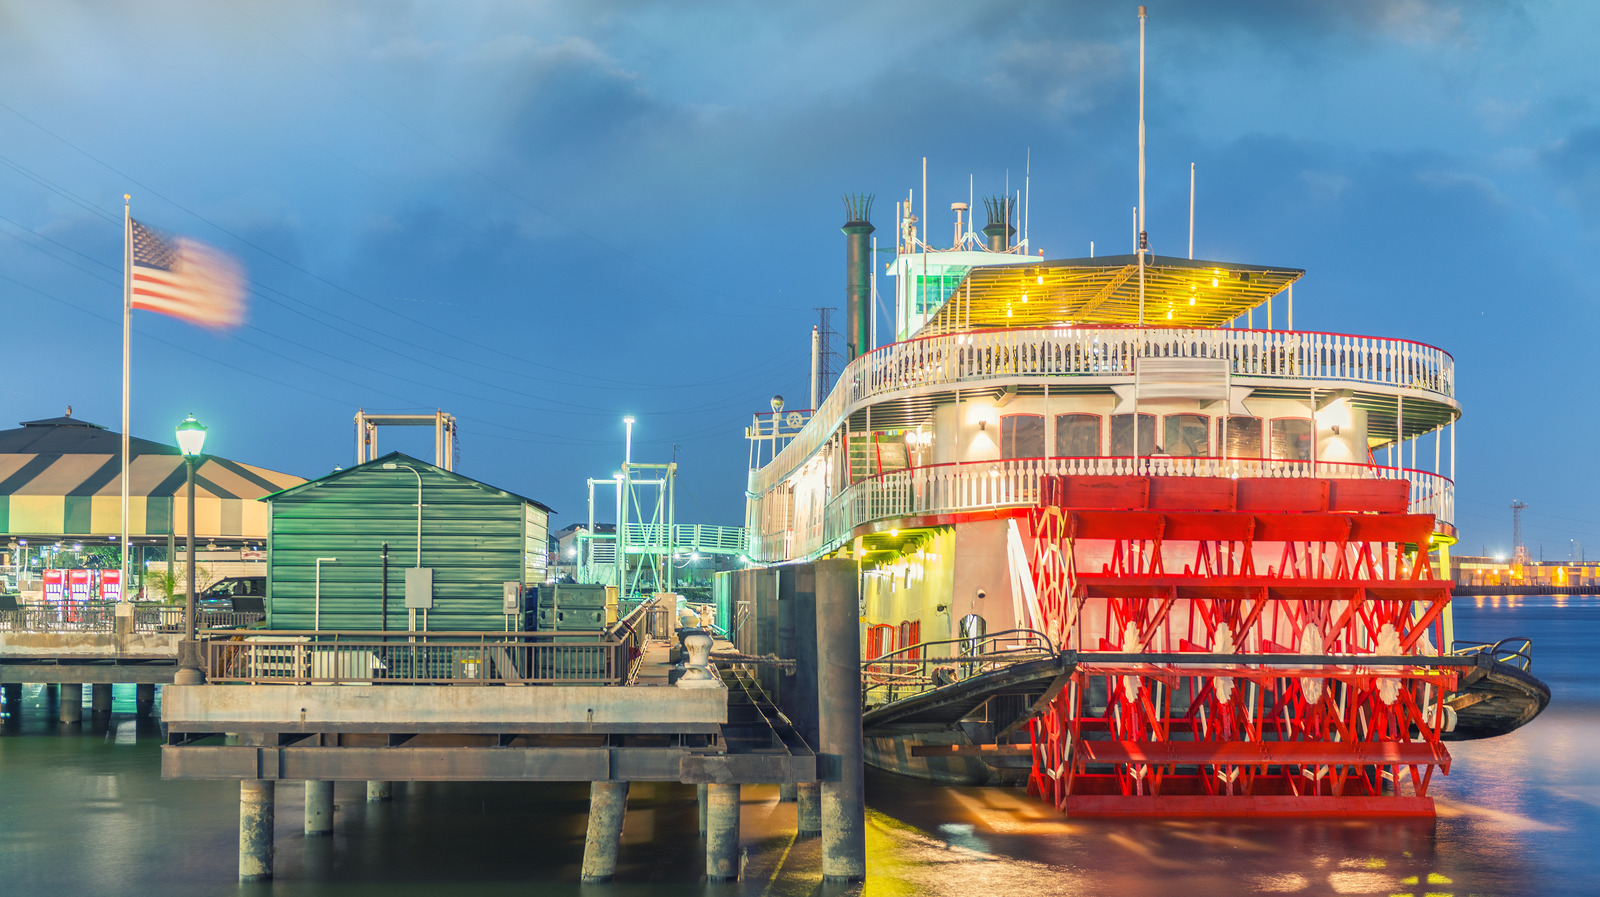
236 593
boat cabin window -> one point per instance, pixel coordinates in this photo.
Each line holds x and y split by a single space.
1186 435
1122 435
1022 436
1291 439
1078 436
1240 436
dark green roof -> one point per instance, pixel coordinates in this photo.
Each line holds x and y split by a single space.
401 457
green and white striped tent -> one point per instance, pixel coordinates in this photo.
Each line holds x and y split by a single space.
62 478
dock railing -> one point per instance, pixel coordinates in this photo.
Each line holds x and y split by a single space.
914 669
261 657
101 616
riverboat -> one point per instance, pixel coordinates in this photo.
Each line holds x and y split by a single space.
1119 542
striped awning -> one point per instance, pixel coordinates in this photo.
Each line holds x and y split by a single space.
63 477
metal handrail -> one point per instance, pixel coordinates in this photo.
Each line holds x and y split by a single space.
1514 650
101 616
1014 482
896 677
1100 352
421 658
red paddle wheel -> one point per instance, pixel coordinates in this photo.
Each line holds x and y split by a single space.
1257 578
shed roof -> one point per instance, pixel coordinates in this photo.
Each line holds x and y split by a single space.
303 489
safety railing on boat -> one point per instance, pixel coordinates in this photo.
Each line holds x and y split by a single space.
101 616
914 669
1074 352
1514 650
979 485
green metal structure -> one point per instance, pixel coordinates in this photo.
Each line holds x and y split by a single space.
472 536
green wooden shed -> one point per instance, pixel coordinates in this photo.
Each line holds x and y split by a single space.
473 537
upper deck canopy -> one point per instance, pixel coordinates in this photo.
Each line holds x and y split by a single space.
1178 292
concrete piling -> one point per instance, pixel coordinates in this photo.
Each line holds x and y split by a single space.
100 697
608 803
72 702
379 791
786 793
844 833
256 799
700 792
722 832
144 698
809 812
319 808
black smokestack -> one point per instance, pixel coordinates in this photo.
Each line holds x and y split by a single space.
857 275
999 229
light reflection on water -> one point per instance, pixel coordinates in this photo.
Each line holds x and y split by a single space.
85 812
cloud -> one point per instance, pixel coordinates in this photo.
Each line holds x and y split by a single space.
1573 163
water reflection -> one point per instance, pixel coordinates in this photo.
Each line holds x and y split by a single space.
86 812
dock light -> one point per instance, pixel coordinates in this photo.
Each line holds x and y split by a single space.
191 439
390 465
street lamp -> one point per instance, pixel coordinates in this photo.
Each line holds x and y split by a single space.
411 614
191 438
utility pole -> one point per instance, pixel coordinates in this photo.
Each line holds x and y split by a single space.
825 353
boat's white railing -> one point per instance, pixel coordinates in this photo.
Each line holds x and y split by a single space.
1110 351
981 485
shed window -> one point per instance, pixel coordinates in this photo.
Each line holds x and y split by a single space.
1291 439
1022 436
1122 435
1186 435
1241 436
1077 435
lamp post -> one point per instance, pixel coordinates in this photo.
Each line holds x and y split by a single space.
191 437
411 614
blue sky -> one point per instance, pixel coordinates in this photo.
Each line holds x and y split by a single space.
543 216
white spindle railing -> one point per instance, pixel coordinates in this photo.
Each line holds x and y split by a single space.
978 485
1110 351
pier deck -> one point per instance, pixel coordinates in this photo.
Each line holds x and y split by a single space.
644 731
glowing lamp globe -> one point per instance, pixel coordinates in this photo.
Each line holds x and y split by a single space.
191 436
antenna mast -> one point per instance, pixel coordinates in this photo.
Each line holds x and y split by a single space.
1144 238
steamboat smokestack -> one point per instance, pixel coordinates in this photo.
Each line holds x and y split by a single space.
858 274
999 229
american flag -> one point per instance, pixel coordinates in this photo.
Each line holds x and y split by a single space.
186 279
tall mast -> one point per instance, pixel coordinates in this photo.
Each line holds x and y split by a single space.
1144 241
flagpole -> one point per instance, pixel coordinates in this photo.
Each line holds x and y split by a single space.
127 302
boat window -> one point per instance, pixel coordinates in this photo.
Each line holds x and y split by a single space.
1291 439
1242 436
1186 435
1122 435
1022 436
1077 436
880 640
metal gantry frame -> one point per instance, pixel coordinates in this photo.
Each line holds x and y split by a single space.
444 434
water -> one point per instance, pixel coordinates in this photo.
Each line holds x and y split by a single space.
86 812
